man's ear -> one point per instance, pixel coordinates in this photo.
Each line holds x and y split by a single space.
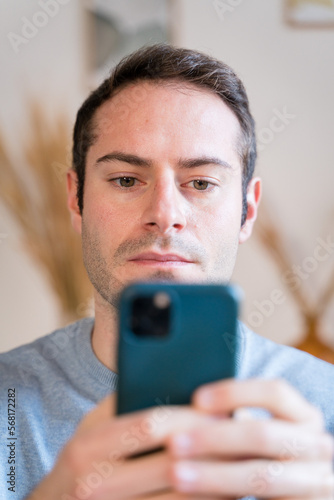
254 190
72 201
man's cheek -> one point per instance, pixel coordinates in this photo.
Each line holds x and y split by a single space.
104 214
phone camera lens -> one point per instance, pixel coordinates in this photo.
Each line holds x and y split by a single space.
151 315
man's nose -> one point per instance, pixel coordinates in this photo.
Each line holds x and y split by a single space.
165 211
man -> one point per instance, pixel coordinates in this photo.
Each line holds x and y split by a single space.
162 187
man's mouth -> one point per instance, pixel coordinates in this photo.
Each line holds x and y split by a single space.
159 259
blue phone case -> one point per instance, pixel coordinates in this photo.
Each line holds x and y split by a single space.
202 345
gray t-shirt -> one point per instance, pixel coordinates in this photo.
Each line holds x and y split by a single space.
54 381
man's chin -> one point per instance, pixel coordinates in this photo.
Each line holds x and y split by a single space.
168 276
113 297
162 276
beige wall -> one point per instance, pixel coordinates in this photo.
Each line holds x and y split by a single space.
283 69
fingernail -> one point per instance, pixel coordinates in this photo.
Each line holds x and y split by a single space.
205 398
181 444
242 414
186 476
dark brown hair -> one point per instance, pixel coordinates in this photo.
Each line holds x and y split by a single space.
164 62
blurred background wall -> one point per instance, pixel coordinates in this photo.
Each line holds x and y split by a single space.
56 57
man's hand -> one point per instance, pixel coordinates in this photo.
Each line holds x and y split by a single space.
289 456
208 454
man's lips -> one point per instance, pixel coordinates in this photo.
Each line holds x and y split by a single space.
156 258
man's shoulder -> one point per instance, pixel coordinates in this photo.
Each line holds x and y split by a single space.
262 356
50 392
311 376
50 349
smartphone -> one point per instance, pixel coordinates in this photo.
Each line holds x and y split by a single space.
172 339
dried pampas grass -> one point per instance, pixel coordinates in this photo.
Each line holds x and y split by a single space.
272 240
35 195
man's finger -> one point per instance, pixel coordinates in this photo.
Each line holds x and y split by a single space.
259 478
270 438
276 396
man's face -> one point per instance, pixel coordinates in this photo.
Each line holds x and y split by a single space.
162 196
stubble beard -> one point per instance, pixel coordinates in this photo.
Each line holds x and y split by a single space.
109 287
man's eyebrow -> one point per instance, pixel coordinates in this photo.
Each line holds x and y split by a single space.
126 158
182 163
203 160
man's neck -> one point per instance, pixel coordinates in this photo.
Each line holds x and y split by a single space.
105 334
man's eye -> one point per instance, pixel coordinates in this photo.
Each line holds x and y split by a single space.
126 181
200 185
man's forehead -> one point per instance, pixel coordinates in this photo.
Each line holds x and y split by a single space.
130 98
